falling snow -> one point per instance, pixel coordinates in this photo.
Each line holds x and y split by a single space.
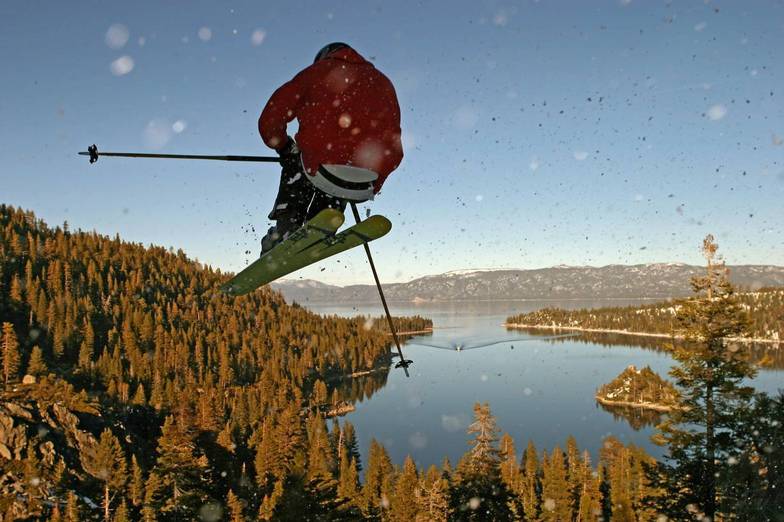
117 36
205 34
258 36
716 112
122 65
157 133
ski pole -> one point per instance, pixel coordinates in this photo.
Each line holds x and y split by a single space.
404 363
92 151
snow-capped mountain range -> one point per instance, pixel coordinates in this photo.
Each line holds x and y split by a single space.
657 280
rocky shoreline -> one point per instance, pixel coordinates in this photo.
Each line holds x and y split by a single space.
644 405
749 340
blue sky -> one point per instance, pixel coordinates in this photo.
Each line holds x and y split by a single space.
535 133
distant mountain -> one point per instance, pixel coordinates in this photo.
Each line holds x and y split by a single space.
659 280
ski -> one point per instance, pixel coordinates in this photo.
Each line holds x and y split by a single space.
310 244
365 231
281 260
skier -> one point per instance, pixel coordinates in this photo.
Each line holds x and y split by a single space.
348 114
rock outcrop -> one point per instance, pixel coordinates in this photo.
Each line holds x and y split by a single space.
38 439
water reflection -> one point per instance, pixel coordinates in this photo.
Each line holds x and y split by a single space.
461 345
764 355
638 418
361 386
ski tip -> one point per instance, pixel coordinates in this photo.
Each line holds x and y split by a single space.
382 224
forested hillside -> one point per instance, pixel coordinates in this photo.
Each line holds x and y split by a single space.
145 332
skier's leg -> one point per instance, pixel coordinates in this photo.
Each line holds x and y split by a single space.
321 201
295 193
291 204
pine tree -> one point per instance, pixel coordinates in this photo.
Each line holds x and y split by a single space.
10 355
510 475
226 438
234 503
351 444
483 457
320 455
348 485
574 471
107 464
16 289
58 340
530 483
375 495
321 484
32 476
136 485
556 501
152 490
755 489
709 375
85 360
403 505
319 392
36 366
267 462
121 514
179 470
72 510
510 470
139 398
619 471
336 440
433 497
270 502
589 506
479 492
290 439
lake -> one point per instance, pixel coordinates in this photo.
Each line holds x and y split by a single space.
537 389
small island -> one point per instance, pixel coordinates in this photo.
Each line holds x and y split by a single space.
642 388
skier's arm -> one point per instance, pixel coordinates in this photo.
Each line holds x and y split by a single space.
282 107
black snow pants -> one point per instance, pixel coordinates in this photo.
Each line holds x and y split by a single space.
299 200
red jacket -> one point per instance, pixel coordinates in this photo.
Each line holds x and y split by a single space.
347 111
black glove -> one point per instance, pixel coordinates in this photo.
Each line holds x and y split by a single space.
289 155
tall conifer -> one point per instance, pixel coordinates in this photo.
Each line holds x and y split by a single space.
556 500
235 507
530 483
10 354
710 373
403 503
479 491
107 464
374 493
36 365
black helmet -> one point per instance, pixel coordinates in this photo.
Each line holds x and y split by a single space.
329 49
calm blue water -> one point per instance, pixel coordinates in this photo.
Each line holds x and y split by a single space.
538 390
